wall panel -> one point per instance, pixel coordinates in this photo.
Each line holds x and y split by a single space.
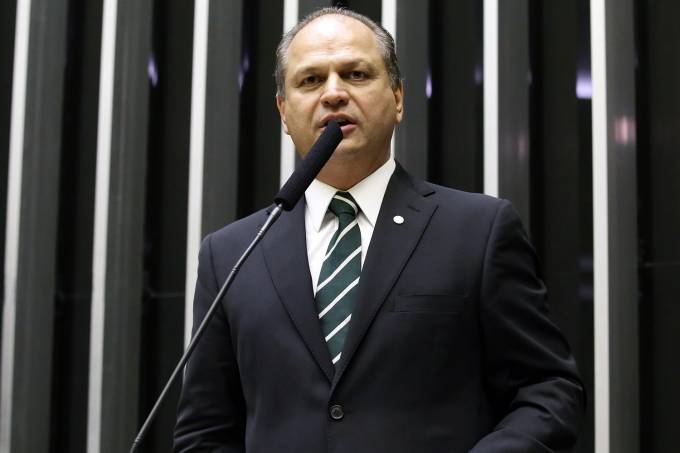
307 6
223 98
514 97
33 182
440 137
615 227
259 147
456 105
561 177
165 227
658 115
412 145
119 225
75 230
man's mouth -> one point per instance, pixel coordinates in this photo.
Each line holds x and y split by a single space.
340 118
346 123
341 122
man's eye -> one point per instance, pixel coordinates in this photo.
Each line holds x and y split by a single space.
357 75
310 80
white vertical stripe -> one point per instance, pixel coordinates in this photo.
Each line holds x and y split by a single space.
287 157
287 161
392 145
600 223
13 227
101 218
491 97
197 143
290 14
389 22
389 17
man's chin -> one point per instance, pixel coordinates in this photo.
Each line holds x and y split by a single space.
346 151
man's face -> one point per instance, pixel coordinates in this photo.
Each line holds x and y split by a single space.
335 71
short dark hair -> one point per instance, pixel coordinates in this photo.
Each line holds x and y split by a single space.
383 37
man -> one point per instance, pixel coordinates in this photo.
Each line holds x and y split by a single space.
384 313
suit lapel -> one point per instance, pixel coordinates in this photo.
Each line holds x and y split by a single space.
285 252
390 248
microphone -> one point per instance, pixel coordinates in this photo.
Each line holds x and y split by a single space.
310 166
286 199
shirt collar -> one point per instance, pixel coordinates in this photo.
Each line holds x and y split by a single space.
368 193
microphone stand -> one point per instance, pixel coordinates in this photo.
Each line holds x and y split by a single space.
273 216
287 197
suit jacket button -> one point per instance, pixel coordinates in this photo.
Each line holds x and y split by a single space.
336 412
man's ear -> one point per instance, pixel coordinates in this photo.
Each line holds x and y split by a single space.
399 101
281 105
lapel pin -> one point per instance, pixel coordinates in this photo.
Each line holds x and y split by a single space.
398 219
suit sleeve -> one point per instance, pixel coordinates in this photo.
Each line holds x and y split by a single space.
530 372
211 408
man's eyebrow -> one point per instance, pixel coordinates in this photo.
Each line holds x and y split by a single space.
343 65
368 64
305 69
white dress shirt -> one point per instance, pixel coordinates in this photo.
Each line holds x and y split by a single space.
320 223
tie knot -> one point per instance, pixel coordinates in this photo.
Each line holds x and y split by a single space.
343 203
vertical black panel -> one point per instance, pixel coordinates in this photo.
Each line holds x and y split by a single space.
166 212
260 126
514 77
222 111
369 8
413 46
119 390
7 18
305 7
561 177
439 45
659 220
29 425
76 218
623 234
456 120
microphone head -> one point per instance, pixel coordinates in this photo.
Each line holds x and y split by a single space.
310 166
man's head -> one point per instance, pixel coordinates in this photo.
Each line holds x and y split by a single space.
385 44
337 64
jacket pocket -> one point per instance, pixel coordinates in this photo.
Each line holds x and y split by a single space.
430 303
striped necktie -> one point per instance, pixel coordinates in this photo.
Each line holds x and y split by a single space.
337 285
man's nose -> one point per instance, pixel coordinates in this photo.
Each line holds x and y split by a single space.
335 93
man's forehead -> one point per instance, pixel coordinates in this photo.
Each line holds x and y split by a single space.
327 24
332 29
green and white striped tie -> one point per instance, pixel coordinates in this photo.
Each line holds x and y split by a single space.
337 285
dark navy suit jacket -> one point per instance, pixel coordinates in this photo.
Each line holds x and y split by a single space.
450 346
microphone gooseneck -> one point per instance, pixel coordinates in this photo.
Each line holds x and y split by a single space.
287 197
310 166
